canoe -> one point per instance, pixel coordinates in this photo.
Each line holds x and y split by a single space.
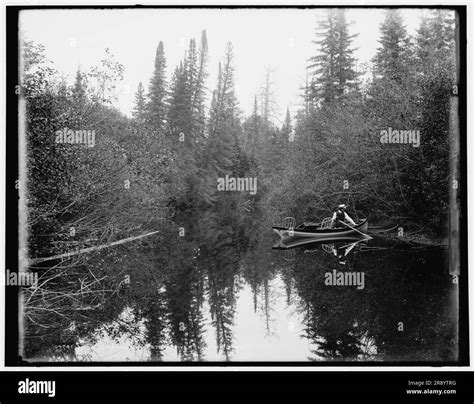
315 234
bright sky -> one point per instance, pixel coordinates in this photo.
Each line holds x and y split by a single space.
275 38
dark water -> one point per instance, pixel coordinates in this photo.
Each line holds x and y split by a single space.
220 292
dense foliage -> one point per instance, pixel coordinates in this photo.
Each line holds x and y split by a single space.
159 171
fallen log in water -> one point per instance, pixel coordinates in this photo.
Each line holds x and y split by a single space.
88 249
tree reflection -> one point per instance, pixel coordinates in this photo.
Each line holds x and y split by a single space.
219 256
401 314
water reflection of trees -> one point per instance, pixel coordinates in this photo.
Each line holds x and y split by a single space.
259 269
221 244
408 288
171 299
173 277
343 323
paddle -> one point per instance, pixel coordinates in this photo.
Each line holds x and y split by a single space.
365 235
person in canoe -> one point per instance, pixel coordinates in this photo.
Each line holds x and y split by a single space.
340 217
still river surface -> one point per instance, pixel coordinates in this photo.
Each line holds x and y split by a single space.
221 294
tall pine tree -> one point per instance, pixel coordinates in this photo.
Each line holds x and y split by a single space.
333 68
156 107
224 122
393 58
140 104
435 52
199 88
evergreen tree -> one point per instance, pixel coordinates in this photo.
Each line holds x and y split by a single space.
423 41
186 110
179 116
251 130
156 107
434 52
198 94
140 104
79 90
333 74
192 69
267 96
79 99
186 125
224 119
393 58
225 110
286 128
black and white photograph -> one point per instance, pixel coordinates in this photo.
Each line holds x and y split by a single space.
225 185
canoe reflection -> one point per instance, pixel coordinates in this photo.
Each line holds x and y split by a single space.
339 249
311 243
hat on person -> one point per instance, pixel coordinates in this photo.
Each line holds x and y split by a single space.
342 206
